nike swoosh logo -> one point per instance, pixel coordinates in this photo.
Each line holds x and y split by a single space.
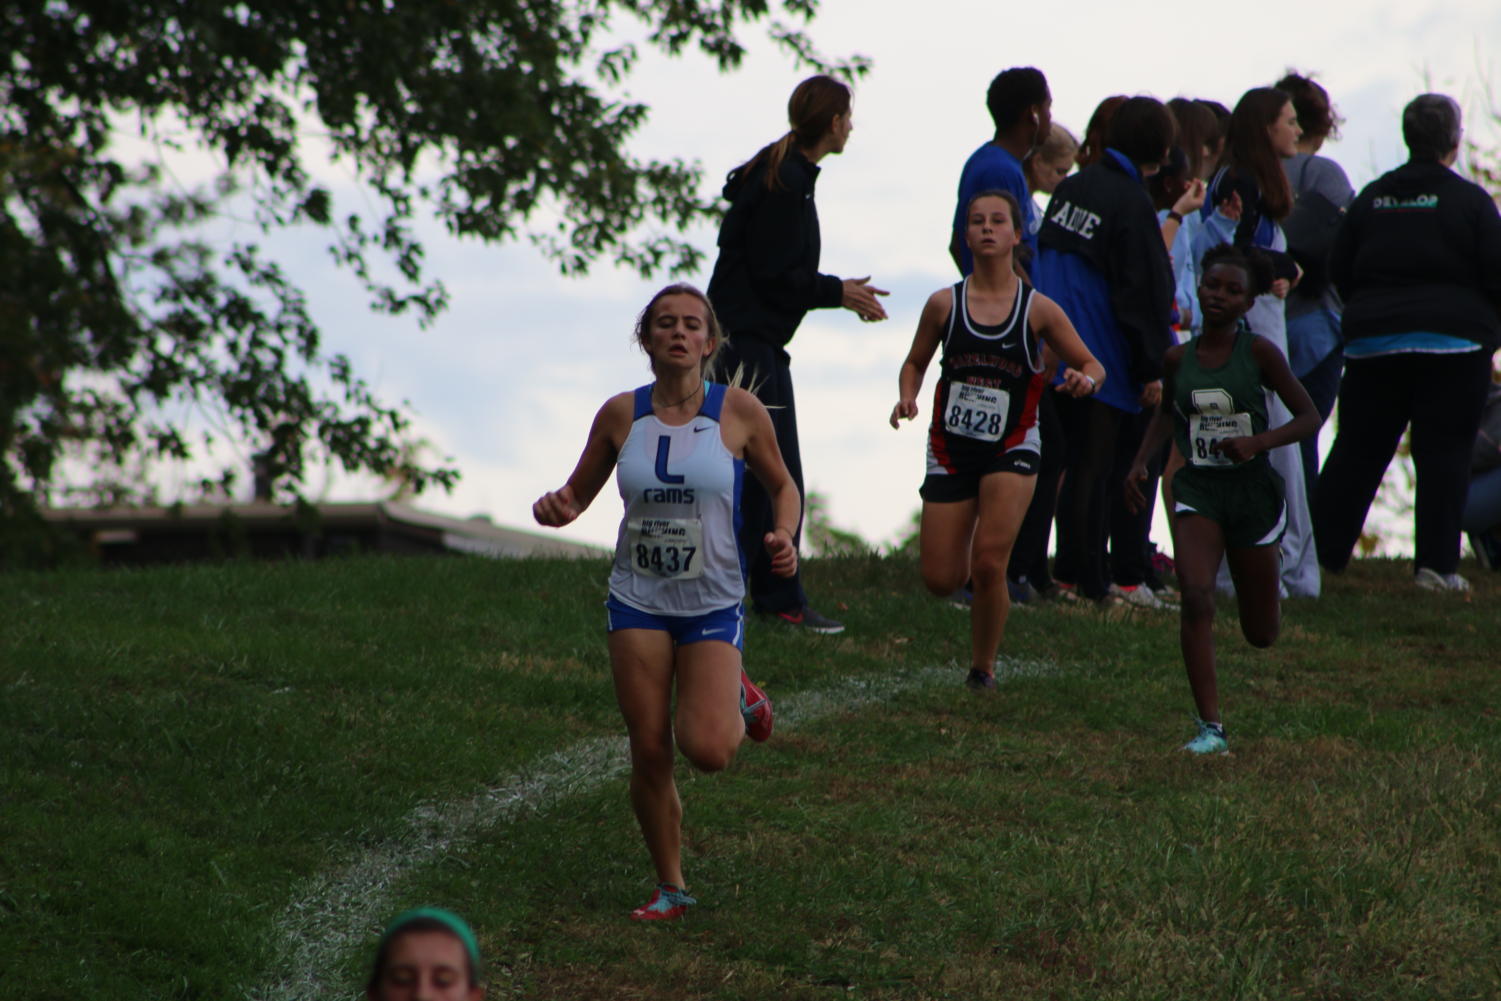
710 632
697 429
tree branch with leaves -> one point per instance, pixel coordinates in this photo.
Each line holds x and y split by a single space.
501 119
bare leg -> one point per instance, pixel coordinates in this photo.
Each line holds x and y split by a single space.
708 723
1174 463
944 539
1257 572
1199 545
642 663
1003 504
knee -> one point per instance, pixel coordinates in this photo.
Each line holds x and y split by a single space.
1198 604
990 565
942 580
1260 634
651 757
706 755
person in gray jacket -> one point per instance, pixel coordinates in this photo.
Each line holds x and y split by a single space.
1321 194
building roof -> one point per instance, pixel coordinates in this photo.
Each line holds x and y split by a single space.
206 531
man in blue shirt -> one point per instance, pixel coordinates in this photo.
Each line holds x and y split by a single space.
1022 108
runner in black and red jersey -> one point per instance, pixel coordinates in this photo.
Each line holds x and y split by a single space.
983 449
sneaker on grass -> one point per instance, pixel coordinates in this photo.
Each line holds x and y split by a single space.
668 903
755 707
1432 580
979 681
807 618
1139 595
1210 739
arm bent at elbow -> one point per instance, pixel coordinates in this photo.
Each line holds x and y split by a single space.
562 506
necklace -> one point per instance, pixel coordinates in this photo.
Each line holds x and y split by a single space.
696 390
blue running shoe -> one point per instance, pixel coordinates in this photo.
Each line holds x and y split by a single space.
1210 740
668 903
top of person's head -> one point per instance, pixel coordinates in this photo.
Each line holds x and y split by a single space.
416 921
1059 144
1316 115
1431 126
1257 266
1014 91
1198 131
641 333
1219 111
1005 196
1142 129
1092 146
1248 147
814 105
811 110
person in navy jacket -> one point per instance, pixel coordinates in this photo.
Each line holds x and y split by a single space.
1102 258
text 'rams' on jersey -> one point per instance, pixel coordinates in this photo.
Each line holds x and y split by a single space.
677 551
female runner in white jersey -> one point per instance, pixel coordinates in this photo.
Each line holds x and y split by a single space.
983 445
679 446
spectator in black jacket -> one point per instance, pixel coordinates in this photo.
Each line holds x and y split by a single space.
1418 263
765 280
1102 258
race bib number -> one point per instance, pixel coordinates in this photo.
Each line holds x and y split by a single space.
1206 431
666 547
977 411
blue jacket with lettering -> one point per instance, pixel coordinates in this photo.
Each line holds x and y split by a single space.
1101 257
1420 251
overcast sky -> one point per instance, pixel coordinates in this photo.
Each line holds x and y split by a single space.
508 380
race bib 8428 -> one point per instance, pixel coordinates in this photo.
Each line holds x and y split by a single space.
977 412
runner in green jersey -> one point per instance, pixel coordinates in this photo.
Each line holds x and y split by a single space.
1227 500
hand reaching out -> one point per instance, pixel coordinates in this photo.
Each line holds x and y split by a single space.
860 297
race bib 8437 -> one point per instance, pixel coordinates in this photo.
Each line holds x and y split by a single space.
670 548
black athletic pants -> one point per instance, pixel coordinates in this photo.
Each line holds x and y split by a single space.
1029 554
1131 533
1090 428
1441 396
767 371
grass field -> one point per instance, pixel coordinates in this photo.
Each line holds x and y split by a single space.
216 782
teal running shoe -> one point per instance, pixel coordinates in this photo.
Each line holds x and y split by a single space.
1210 740
668 903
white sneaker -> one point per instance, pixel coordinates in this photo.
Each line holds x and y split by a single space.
1432 580
1140 595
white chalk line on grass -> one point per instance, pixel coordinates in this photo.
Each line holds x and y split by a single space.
336 910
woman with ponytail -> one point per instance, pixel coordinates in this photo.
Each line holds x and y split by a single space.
765 280
1248 198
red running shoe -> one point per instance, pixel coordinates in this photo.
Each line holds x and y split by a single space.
668 903
756 708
